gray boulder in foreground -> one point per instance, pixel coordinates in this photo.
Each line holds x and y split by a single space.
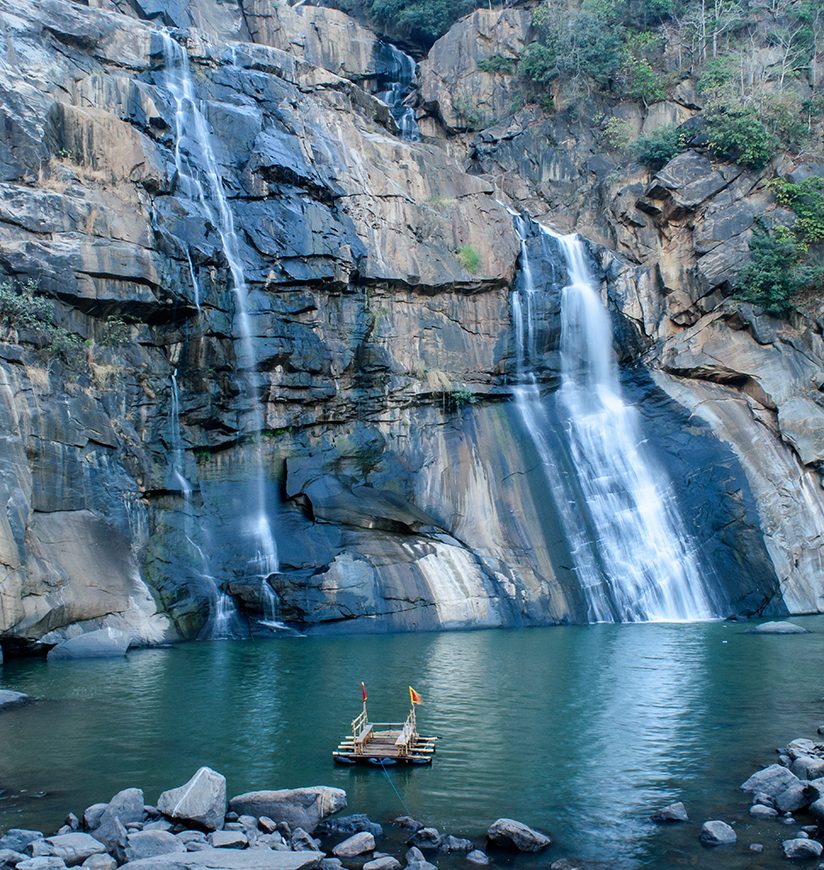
510 834
357 844
42 863
101 644
779 628
229 859
717 833
801 848
9 699
298 807
150 844
16 839
9 858
72 848
782 786
676 812
201 800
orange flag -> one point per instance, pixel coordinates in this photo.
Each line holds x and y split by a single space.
414 697
363 691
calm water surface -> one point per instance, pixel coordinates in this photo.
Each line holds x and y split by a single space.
580 731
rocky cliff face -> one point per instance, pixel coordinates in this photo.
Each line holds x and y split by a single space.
402 491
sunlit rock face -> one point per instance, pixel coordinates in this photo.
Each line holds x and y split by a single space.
402 489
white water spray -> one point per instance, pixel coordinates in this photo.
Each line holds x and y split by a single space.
199 174
633 556
396 81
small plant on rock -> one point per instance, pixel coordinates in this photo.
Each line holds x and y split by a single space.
470 259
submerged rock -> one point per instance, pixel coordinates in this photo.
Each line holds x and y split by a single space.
298 807
510 834
425 838
353 824
778 628
9 699
202 800
717 833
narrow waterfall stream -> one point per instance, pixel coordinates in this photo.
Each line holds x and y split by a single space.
633 556
199 174
224 619
395 82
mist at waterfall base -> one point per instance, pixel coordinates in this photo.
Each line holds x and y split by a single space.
581 731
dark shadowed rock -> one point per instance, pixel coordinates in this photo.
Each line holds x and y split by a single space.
298 807
425 838
717 833
353 824
9 858
202 800
509 834
17 839
455 844
802 848
228 839
302 841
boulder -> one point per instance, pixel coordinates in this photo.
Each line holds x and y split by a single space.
100 644
353 824
816 810
100 862
717 833
357 844
150 844
109 825
408 823
476 856
298 807
425 838
201 801
16 839
802 848
93 814
415 860
301 841
759 811
510 834
808 767
385 863
9 699
9 858
228 839
72 848
42 863
455 844
778 628
229 859
676 812
783 787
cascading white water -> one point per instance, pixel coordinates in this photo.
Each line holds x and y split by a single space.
633 556
199 175
224 619
396 81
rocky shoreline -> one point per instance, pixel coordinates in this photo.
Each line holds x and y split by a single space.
195 826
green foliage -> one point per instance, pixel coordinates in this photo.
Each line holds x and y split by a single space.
736 133
497 64
640 81
719 77
115 332
423 20
777 271
469 258
573 44
618 133
659 147
459 397
24 307
806 199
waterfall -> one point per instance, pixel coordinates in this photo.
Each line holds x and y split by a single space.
224 620
198 174
633 557
395 81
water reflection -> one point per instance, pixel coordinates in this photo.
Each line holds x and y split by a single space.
582 731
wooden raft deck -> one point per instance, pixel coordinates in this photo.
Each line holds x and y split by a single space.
385 743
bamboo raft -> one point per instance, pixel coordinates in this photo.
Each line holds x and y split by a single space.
385 743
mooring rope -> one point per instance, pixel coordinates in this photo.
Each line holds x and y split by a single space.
389 779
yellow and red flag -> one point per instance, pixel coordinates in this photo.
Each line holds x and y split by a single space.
414 697
363 691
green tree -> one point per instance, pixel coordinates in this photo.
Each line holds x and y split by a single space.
735 132
659 147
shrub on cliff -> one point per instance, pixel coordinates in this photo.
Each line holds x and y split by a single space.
735 132
659 147
422 20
